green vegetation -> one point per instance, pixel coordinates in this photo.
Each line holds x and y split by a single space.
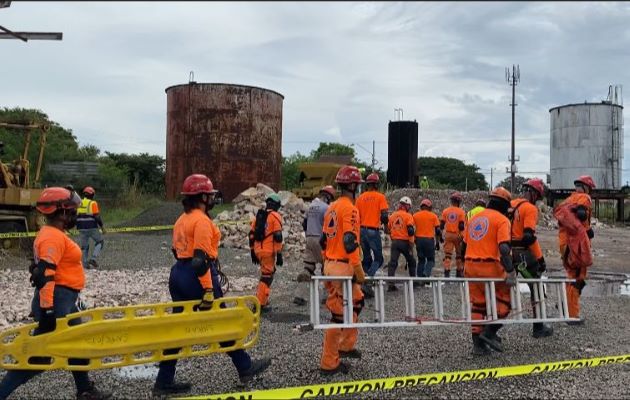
451 173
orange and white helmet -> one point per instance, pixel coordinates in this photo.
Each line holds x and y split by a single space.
501 193
405 200
426 203
57 198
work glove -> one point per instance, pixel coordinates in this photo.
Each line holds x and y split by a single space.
359 274
255 259
279 260
206 300
510 280
47 321
437 246
590 233
542 265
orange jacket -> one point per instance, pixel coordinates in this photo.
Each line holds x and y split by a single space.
425 221
55 247
398 225
341 217
196 231
575 237
574 200
274 224
525 215
452 217
485 231
370 205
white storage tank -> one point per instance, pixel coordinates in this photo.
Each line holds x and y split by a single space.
586 139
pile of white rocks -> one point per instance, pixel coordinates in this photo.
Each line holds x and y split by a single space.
236 224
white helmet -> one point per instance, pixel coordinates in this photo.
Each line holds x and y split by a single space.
405 200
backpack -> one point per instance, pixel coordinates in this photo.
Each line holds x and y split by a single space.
260 225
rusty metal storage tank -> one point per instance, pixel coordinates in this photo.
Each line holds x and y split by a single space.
586 139
232 133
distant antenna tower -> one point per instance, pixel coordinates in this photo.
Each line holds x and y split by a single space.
512 79
398 114
615 94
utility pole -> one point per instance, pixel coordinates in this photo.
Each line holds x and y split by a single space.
373 154
491 183
512 80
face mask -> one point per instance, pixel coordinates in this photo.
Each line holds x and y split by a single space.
70 218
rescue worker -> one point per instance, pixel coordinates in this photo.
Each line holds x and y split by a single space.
312 224
575 247
428 237
265 242
487 255
424 183
402 232
58 277
452 224
525 246
373 209
88 223
480 205
194 276
340 241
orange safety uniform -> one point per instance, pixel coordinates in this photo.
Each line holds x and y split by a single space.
55 247
266 251
485 231
453 219
425 221
370 205
398 223
525 215
573 293
196 231
341 217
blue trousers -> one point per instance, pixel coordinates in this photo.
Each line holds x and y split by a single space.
184 285
84 239
64 303
425 247
371 243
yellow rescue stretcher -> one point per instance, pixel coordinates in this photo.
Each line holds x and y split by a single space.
118 336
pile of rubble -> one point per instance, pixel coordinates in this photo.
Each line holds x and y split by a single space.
236 224
439 198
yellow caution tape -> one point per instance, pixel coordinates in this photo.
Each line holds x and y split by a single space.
74 232
118 336
377 385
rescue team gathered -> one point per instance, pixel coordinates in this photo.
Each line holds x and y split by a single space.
496 239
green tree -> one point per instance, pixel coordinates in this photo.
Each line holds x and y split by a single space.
332 149
291 171
451 173
518 181
144 171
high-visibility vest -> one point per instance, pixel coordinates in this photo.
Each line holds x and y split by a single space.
85 208
474 211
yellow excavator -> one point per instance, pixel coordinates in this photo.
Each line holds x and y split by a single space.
18 193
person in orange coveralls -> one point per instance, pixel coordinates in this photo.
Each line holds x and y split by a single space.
265 241
58 276
402 232
574 265
486 251
452 224
340 242
525 247
428 237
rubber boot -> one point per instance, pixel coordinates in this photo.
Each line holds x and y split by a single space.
541 330
256 368
354 353
479 347
171 388
489 336
447 273
392 288
342 368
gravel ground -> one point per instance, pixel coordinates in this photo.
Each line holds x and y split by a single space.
134 268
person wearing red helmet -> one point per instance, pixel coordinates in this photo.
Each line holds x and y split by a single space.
486 253
88 223
402 232
58 277
373 209
452 224
574 236
340 242
194 276
428 235
312 224
525 246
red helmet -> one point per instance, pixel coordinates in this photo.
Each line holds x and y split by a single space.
372 178
457 197
196 184
329 190
349 174
536 184
501 193
55 198
89 190
585 180
426 203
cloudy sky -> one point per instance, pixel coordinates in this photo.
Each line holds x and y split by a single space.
342 67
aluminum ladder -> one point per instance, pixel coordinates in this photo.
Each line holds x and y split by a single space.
546 310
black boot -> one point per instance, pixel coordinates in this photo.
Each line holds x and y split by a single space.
354 353
447 273
368 293
392 288
479 347
541 330
163 389
489 336
256 368
342 368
